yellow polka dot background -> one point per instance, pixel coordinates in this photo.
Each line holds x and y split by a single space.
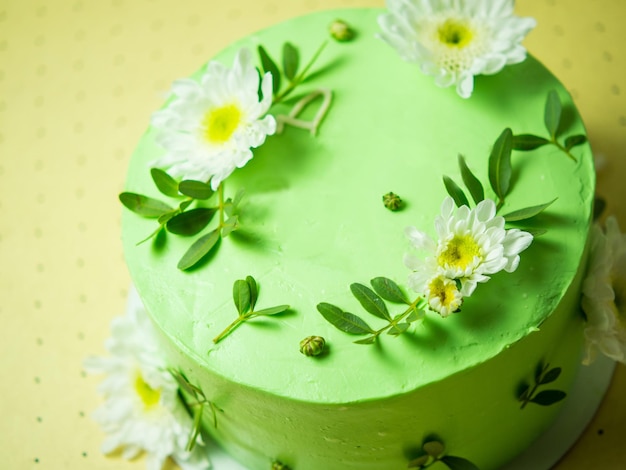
78 82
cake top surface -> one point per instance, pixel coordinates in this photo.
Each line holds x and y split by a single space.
312 222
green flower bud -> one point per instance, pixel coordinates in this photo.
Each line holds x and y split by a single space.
392 201
341 31
312 345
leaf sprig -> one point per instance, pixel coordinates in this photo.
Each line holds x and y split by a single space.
553 121
194 400
290 69
543 376
373 301
499 178
433 451
181 220
245 295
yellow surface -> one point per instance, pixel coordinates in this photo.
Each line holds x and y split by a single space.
78 81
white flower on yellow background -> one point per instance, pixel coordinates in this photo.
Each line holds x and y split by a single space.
142 411
211 125
454 40
604 293
472 244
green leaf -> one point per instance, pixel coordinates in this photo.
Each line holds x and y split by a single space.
550 376
415 315
195 430
389 290
164 182
471 182
552 116
370 300
528 212
458 463
398 329
185 204
167 216
190 222
272 310
536 232
455 192
434 448
574 140
241 296
344 321
500 164
144 205
254 291
291 61
195 189
230 225
368 340
548 397
198 250
526 142
270 66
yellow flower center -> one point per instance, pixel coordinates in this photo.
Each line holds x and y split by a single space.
459 252
148 395
444 290
455 33
220 123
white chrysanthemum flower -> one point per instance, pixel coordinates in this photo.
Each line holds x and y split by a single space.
454 40
604 293
472 244
142 411
211 126
443 295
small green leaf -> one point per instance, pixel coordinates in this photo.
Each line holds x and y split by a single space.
389 290
552 116
398 329
455 192
230 225
527 213
272 310
415 315
291 61
241 296
254 291
370 300
526 142
458 463
270 66
550 376
500 164
574 140
190 222
198 250
167 216
434 448
195 189
419 462
195 430
185 204
548 397
472 183
347 322
369 340
164 182
144 205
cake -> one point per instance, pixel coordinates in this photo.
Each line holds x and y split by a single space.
476 370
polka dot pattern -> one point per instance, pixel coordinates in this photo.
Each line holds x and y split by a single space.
78 82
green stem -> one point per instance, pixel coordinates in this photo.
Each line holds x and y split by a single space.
239 320
567 152
396 320
300 77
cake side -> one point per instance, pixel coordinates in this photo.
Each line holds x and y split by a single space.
315 224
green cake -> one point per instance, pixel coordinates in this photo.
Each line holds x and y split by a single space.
476 383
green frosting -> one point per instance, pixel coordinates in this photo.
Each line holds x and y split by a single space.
314 223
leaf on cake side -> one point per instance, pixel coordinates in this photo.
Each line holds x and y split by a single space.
434 451
544 375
